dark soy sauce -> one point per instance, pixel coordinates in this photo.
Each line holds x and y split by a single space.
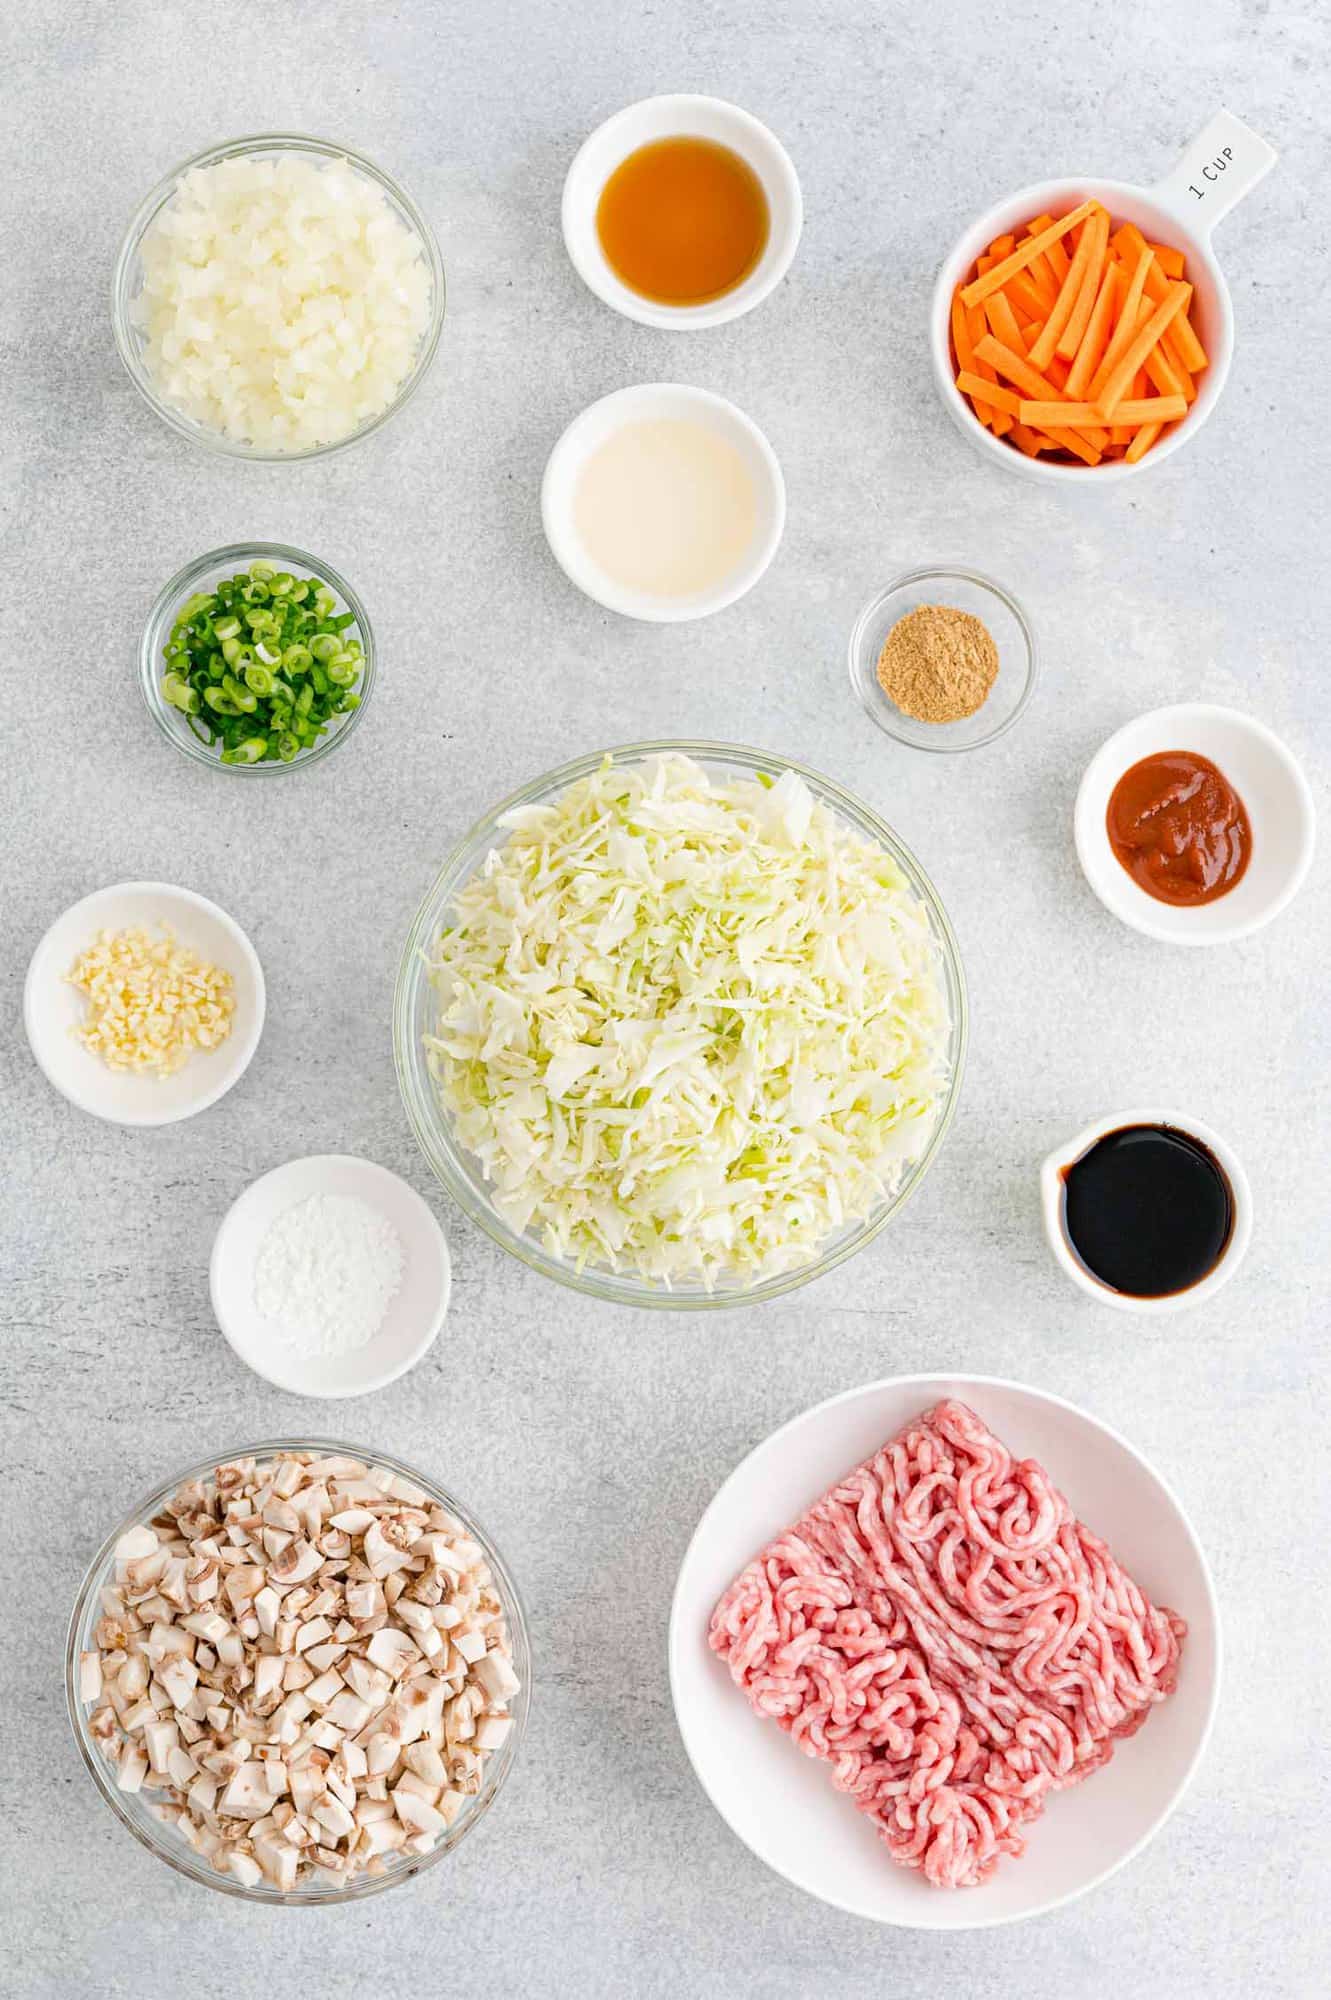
1148 1210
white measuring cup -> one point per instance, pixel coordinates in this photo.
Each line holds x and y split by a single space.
1212 175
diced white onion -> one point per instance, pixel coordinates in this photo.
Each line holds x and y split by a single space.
283 302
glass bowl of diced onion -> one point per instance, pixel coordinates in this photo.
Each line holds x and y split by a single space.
139 1810
128 278
416 1017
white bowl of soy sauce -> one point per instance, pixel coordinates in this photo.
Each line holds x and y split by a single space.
1147 1211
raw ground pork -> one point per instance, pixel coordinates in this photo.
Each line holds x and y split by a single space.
943 1631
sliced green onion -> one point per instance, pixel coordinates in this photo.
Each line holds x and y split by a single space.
266 661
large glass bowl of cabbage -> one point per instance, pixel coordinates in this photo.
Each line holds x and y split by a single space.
681 1024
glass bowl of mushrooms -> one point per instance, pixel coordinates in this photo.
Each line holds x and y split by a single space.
299 1673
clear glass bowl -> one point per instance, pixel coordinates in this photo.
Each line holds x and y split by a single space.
415 1011
203 574
134 1809
127 281
962 590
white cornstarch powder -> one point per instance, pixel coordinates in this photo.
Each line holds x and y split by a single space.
326 1273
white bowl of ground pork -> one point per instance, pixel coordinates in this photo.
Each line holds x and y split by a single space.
277 297
784 1805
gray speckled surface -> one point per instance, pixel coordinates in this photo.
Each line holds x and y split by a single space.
588 1439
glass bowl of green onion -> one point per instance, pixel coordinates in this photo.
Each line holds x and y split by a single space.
257 658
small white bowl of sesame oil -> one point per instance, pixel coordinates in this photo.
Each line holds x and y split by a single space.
682 212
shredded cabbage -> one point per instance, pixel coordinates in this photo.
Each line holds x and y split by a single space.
689 1028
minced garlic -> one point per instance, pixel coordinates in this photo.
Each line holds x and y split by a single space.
151 1002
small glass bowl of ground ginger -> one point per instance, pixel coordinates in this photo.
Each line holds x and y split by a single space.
943 659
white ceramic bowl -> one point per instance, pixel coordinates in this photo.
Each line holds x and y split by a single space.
52 1008
783 1805
1223 163
649 402
415 1313
673 118
1266 778
1056 1163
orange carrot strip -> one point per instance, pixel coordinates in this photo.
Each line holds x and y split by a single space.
1142 443
961 332
1132 314
1185 381
1096 337
997 276
1055 256
1001 246
1167 376
1041 275
971 384
1057 373
1069 293
1172 262
1041 271
1184 341
1003 321
1095 241
1017 369
1073 441
1108 394
1128 242
964 354
1028 441
1026 295
977 326
1002 424
1144 410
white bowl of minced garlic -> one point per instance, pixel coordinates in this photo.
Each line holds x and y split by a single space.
144 1003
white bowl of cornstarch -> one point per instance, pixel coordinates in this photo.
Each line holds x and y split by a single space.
330 1276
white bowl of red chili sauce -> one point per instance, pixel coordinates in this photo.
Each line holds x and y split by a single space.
1194 824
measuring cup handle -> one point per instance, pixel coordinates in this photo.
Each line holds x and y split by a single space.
1224 161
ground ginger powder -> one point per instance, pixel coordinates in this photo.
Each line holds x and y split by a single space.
938 664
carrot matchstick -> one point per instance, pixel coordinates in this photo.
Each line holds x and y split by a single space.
1003 321
1096 234
1026 295
1132 314
1144 410
997 276
1141 444
1096 337
1110 393
1055 255
1017 369
1069 293
1171 262
992 393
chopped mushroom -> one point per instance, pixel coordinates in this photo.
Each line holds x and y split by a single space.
304 1664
